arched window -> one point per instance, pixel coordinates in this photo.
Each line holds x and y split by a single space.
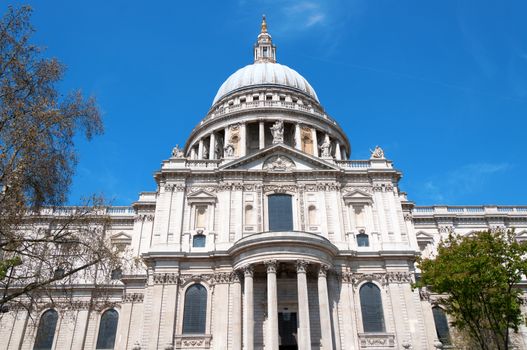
46 330
199 241
249 215
363 240
371 307
441 322
195 311
280 212
107 330
312 215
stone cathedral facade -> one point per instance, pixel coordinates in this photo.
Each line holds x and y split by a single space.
264 234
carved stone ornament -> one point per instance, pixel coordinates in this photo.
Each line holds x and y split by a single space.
248 270
279 188
277 130
133 298
228 151
166 278
183 279
323 270
137 345
193 341
377 153
272 265
446 229
408 217
376 340
301 266
399 277
278 163
382 187
177 152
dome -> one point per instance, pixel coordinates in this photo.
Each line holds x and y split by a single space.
265 73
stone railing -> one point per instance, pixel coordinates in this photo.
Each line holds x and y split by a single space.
67 211
469 210
203 163
191 341
353 164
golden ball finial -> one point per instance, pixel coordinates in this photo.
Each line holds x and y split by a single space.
264 24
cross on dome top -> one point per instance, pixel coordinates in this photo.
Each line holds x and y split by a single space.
264 50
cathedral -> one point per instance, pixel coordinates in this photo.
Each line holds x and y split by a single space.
263 233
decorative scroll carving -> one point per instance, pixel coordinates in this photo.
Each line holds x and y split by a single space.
280 188
368 190
196 278
382 187
323 270
301 266
399 277
408 217
144 217
192 341
248 270
166 278
208 189
424 294
376 340
278 163
446 229
174 187
133 298
272 265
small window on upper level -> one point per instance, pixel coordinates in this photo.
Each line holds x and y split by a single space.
242 99
282 98
268 97
363 240
117 274
265 52
256 98
199 241
441 323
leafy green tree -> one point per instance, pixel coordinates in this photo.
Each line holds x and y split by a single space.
42 243
478 278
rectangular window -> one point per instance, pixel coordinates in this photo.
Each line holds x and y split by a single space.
280 212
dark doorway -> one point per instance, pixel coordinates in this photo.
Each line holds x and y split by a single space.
287 328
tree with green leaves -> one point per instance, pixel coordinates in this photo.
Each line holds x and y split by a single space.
42 244
477 278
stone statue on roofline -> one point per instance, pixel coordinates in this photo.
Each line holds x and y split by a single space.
278 132
377 153
229 151
325 148
177 152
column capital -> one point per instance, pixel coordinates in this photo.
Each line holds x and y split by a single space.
323 270
271 266
301 266
248 270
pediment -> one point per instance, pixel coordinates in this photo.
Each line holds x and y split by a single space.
279 158
121 237
201 196
357 196
424 237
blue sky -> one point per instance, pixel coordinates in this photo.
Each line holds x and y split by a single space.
440 85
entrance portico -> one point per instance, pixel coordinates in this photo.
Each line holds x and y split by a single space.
298 257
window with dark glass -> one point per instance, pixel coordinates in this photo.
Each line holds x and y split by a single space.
198 241
46 330
441 322
195 310
363 240
107 330
371 308
117 274
280 212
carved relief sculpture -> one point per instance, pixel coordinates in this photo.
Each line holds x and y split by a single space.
278 163
325 148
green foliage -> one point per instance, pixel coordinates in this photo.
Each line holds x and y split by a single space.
478 276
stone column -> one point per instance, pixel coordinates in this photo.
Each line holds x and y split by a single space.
271 342
298 139
315 142
212 146
304 331
200 149
193 153
262 135
338 156
248 314
236 289
243 139
323 302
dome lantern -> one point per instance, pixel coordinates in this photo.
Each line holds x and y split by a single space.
264 50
